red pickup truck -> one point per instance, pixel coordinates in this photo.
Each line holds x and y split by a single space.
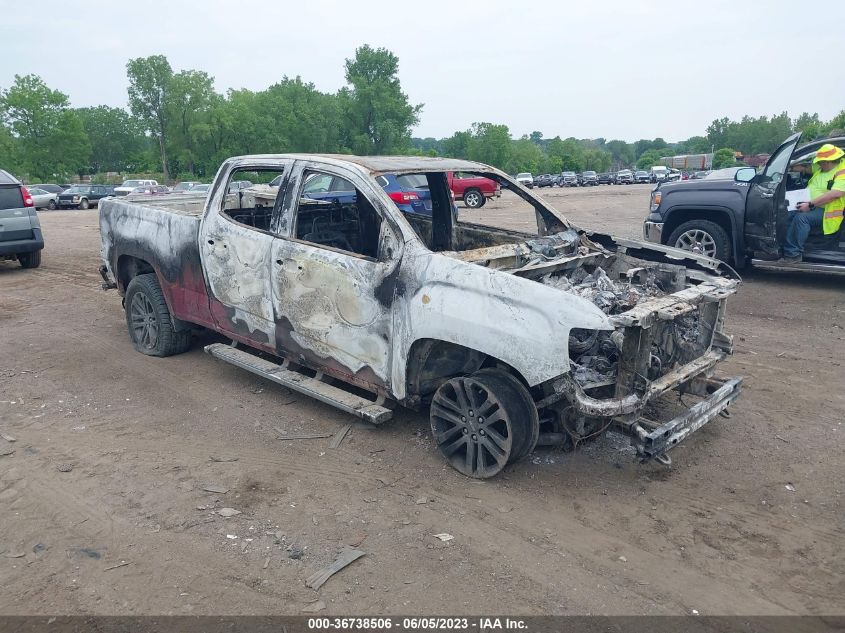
473 190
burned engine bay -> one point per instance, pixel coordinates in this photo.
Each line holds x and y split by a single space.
616 283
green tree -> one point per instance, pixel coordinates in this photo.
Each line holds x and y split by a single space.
189 97
525 156
117 139
650 158
809 125
49 139
457 145
694 145
149 86
724 157
490 144
621 152
378 115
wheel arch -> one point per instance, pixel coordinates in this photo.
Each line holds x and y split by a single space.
722 216
129 267
431 362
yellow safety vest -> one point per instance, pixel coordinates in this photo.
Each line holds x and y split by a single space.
822 182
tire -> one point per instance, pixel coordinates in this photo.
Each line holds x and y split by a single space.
473 199
52 205
702 236
83 204
30 260
149 321
480 423
518 393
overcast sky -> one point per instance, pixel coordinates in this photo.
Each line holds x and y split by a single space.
629 70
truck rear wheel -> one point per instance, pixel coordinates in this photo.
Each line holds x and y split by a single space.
148 319
83 204
703 237
30 260
483 422
474 199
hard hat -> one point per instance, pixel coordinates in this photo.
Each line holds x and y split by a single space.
828 152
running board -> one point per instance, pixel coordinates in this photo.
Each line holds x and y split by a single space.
341 399
804 267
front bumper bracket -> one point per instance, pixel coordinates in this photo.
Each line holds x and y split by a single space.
651 444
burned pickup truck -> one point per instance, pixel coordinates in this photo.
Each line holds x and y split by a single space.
508 337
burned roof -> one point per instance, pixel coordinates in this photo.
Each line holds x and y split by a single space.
386 164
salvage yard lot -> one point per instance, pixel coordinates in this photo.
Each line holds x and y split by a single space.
747 521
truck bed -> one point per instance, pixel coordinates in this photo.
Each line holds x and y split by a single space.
160 232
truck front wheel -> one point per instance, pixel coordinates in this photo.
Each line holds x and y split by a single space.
474 199
483 421
702 237
148 319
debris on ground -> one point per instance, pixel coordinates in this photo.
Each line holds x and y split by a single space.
228 512
222 459
122 563
6 450
317 579
356 540
421 501
215 488
266 563
444 536
231 536
314 607
283 435
338 437
14 554
65 468
295 552
7 437
790 487
622 559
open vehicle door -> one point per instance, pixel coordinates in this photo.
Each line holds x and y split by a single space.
766 196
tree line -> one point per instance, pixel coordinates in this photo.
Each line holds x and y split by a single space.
178 127
494 144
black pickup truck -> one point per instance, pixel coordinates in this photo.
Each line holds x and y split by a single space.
743 219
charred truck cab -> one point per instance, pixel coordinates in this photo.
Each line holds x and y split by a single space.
508 338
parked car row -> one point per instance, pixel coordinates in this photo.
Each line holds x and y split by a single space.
81 196
591 178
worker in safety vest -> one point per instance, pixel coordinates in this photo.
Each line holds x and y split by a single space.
827 201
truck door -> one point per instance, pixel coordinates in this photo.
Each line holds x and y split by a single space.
235 248
765 198
334 275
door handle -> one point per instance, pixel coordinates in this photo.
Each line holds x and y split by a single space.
767 195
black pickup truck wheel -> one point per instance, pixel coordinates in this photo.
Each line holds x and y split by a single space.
148 319
482 422
702 237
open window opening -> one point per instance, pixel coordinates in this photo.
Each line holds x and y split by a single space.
469 210
251 196
333 214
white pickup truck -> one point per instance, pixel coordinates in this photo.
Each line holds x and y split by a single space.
509 338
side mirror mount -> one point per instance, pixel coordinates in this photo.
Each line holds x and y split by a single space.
745 174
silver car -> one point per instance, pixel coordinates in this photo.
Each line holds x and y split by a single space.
20 229
43 199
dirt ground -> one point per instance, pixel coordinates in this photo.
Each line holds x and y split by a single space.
102 507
